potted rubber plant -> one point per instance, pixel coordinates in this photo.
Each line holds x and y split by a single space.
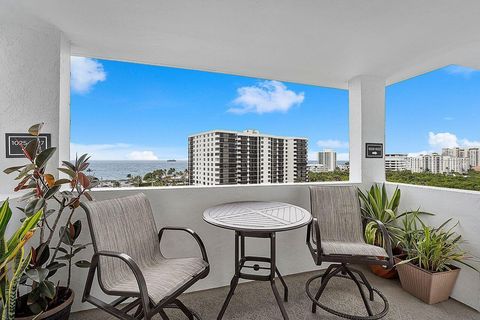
376 204
13 258
428 272
58 198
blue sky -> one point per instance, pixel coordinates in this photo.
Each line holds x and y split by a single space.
132 111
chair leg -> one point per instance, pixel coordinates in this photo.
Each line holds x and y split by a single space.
359 286
184 309
325 278
365 282
163 315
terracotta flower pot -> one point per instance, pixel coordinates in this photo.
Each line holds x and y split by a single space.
388 273
430 287
383 272
60 312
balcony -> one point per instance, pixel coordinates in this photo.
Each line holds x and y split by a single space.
360 46
255 301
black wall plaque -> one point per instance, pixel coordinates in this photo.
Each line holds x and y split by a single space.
13 141
374 150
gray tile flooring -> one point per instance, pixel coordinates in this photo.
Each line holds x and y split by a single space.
254 301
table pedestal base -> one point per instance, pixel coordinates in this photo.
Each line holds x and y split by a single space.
241 259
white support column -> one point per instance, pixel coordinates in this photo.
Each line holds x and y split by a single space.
34 87
367 125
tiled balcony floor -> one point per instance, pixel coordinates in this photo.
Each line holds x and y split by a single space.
255 301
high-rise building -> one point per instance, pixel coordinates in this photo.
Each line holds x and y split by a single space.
328 159
436 163
415 164
229 157
395 162
474 157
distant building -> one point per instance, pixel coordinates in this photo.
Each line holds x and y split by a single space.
328 159
344 166
438 163
316 168
395 162
229 157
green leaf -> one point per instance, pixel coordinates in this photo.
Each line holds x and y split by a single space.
38 275
33 296
13 169
35 129
61 181
69 172
26 170
53 267
77 250
43 253
69 165
47 289
77 226
62 250
83 264
51 192
42 159
32 148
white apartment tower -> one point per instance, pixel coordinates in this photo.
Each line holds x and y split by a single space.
229 157
395 162
328 159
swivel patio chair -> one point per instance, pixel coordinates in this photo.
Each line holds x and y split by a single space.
335 235
130 263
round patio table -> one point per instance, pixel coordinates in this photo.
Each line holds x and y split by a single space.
256 219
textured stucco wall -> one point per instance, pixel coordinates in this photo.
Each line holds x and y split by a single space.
463 207
30 86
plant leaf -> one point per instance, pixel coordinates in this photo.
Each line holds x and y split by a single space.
13 169
42 159
35 129
83 264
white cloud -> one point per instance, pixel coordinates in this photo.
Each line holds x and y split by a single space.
449 140
468 143
142 155
442 140
85 73
266 96
460 70
448 118
333 144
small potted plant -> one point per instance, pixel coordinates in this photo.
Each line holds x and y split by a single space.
428 272
377 205
58 199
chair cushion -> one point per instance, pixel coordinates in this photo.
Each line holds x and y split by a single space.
164 277
352 249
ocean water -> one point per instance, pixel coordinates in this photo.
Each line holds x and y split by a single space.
118 170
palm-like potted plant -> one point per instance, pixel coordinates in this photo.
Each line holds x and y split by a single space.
428 271
376 204
13 259
58 198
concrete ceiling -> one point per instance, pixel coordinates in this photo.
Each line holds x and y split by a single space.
319 42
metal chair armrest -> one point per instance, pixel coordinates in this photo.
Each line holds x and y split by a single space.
132 265
386 239
314 245
192 233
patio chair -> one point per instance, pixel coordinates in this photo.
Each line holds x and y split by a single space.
130 263
335 235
